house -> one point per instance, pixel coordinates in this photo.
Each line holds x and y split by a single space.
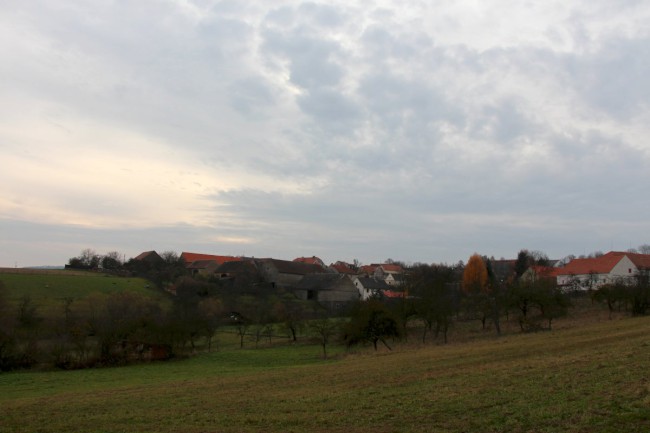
369 287
234 268
205 264
537 272
395 279
591 273
284 272
343 268
243 276
150 257
190 258
202 267
368 270
331 290
392 274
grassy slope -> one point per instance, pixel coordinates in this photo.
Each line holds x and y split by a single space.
48 289
591 378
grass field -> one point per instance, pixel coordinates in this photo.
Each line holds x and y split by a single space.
48 289
591 378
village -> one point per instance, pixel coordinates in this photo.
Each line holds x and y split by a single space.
309 278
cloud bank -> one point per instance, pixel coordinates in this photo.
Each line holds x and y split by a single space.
362 130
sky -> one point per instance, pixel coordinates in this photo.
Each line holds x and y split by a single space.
417 131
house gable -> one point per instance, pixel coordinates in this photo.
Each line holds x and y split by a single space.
149 256
369 287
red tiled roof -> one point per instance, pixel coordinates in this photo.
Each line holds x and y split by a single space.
598 265
641 261
392 268
546 271
393 294
195 257
342 268
309 260
368 269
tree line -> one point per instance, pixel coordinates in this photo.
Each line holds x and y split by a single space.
127 327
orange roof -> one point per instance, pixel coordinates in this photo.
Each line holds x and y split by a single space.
368 269
310 260
392 268
546 271
598 265
342 268
195 257
641 261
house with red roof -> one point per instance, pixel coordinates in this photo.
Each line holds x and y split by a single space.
370 287
190 258
592 273
537 272
368 270
392 274
343 268
205 264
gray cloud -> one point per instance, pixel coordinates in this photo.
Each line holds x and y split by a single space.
411 131
615 78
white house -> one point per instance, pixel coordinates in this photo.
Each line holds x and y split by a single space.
392 274
369 287
594 272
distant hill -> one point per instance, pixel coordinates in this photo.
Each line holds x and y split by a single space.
44 267
48 288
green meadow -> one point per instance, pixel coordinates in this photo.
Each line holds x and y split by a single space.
588 378
49 289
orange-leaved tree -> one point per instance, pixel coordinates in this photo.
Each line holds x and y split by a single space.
475 276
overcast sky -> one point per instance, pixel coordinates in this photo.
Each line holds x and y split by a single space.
418 131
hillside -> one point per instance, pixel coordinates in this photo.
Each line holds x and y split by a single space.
48 289
591 378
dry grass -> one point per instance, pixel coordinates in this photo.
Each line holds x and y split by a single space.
591 378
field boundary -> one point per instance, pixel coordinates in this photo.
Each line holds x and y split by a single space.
28 271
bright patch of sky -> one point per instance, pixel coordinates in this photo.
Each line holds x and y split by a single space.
418 131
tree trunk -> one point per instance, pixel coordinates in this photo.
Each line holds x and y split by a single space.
385 344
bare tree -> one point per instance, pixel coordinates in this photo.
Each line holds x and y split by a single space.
325 328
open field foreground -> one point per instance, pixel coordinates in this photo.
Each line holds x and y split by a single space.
588 379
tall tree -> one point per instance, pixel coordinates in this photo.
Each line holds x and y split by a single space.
475 275
479 292
523 262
